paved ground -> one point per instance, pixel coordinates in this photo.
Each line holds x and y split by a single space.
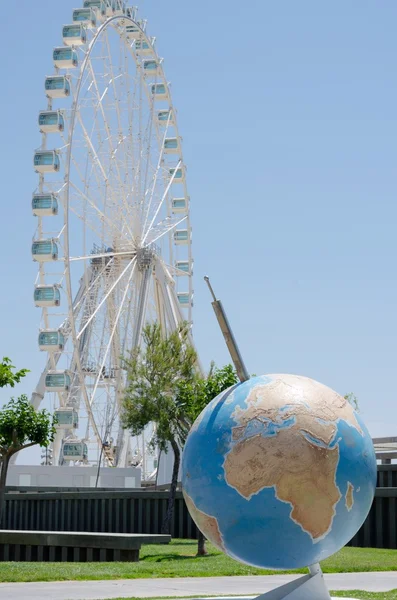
144 588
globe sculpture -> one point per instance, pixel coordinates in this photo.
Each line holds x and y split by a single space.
279 472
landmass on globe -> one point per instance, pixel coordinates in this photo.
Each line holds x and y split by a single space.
297 459
205 523
349 498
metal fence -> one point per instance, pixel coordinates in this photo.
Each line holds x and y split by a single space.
104 511
380 527
387 476
140 511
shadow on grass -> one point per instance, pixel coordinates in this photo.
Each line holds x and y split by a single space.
165 557
184 542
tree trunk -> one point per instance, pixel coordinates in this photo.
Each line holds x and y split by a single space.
157 471
201 549
3 478
166 526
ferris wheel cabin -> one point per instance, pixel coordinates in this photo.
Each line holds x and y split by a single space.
184 299
181 236
44 250
74 35
159 91
51 340
67 418
75 451
44 205
85 16
119 7
47 295
57 381
179 205
46 161
151 67
165 117
51 121
57 86
65 57
171 146
131 12
98 5
116 8
133 32
183 267
179 176
142 47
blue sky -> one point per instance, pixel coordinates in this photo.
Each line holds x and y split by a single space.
288 116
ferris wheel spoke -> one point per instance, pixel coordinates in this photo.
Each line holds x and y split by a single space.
143 88
131 263
76 166
116 345
84 182
116 95
96 161
112 333
148 147
165 227
171 181
130 87
90 225
101 215
109 138
111 224
158 169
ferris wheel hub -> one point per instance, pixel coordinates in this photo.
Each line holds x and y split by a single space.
145 258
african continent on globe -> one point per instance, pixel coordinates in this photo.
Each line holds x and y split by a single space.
279 471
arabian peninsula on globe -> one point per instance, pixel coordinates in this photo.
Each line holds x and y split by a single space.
279 471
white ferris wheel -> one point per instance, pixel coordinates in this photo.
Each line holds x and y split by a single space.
113 237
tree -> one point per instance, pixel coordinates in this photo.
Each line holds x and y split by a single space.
21 427
195 395
353 400
217 381
155 373
7 375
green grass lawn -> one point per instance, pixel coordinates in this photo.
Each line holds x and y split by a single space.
392 595
178 560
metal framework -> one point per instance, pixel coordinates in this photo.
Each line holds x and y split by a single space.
386 449
113 237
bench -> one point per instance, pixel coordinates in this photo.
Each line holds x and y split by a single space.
73 546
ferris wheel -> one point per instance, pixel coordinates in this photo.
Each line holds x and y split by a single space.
113 237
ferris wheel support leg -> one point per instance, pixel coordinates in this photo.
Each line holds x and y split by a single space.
173 315
160 307
142 304
123 444
57 445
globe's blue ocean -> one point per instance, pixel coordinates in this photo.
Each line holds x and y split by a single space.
259 530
